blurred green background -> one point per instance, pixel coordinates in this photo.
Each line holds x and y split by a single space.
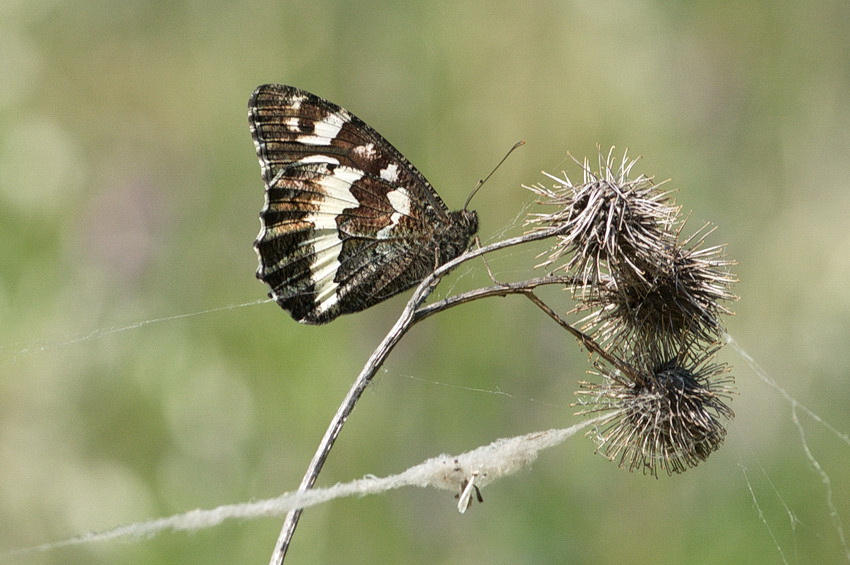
129 191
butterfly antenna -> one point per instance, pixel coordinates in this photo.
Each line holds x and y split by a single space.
481 182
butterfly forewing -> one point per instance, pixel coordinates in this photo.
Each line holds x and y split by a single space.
347 220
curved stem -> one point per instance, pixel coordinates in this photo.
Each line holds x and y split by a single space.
588 342
409 316
404 323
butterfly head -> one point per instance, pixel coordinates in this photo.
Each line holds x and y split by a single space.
468 219
457 237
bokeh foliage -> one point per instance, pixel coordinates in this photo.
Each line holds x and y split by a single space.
129 191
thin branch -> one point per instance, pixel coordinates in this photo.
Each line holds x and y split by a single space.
499 289
408 317
404 323
584 339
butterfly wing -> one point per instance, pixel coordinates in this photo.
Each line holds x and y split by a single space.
347 220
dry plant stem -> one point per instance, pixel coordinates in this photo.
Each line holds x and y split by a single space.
499 289
409 316
377 358
583 338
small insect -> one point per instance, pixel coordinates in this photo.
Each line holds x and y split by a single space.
465 497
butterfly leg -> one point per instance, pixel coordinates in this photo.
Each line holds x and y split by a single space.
487 265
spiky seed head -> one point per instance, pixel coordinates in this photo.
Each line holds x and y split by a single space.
671 419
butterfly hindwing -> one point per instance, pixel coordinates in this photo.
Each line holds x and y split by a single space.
347 221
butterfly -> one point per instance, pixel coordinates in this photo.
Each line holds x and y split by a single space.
348 221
